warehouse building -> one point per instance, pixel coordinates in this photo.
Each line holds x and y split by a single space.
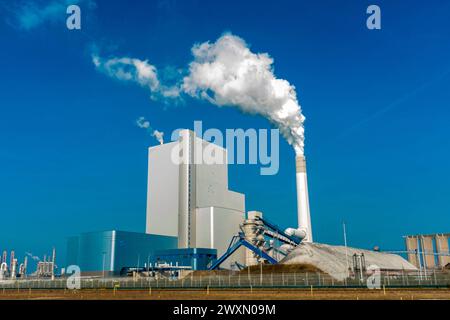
108 252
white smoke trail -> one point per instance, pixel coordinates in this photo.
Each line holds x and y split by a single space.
142 123
138 71
145 124
158 136
227 73
35 258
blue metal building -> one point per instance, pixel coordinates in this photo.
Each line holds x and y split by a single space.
107 252
197 258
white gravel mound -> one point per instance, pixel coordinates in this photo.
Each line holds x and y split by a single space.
333 259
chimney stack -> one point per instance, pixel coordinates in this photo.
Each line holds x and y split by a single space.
304 217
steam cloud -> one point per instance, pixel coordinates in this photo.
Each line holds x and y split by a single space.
225 73
145 124
158 136
35 258
142 123
138 71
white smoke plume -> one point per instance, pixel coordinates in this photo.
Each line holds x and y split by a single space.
142 123
138 71
145 124
158 136
227 73
35 258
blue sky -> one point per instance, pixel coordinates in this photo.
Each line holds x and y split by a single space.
376 102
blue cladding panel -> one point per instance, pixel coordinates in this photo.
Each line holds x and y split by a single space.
135 249
197 258
112 250
94 251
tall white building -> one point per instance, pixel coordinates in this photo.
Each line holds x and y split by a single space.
188 195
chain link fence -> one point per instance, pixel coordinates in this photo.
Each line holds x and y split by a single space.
241 280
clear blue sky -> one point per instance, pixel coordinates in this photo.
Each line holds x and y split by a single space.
377 107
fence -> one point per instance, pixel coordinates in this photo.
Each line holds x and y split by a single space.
239 280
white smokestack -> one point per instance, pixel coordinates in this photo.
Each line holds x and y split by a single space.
304 216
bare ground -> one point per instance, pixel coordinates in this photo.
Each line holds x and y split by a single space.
222 294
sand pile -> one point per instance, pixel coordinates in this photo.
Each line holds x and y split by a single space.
333 259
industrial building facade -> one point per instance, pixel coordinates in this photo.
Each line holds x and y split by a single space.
191 214
109 251
188 197
428 251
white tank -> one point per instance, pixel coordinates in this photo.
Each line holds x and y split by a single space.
299 233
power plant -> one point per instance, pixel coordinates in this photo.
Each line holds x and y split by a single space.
191 213
207 150
189 206
195 222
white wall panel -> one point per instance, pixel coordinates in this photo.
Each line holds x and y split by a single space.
162 191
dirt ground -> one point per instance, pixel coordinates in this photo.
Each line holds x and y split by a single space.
221 294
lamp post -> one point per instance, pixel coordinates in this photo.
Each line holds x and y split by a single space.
346 249
104 260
